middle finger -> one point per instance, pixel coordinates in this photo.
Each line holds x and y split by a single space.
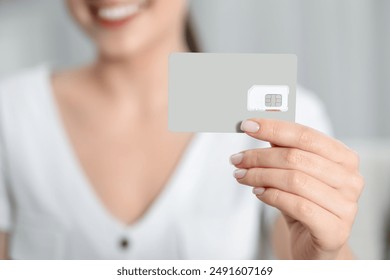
324 170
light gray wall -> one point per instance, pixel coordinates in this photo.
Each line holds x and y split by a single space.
342 45
38 31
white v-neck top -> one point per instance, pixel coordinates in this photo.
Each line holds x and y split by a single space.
51 211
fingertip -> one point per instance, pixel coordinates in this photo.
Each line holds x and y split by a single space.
250 126
258 191
236 159
240 173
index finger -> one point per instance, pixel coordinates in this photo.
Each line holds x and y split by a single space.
293 135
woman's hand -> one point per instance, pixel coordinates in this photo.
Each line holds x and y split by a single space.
311 178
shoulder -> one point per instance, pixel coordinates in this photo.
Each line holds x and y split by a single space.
310 111
23 99
23 96
28 81
26 75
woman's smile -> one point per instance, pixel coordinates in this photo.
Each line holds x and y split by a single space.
113 14
122 28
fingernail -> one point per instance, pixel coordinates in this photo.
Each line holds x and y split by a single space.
240 173
258 191
236 159
250 126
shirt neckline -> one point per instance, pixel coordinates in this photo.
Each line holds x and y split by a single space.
98 209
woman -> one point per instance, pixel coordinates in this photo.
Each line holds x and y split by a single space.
89 169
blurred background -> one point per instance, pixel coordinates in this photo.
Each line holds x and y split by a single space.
343 49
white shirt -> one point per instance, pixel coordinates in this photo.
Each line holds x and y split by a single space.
51 211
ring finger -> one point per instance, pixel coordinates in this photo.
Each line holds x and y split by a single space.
298 183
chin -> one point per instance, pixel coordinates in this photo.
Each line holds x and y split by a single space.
127 45
124 28
120 51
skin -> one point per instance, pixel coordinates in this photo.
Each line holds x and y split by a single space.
115 115
294 176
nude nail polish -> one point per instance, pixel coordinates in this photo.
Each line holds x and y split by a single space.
258 191
236 159
250 126
240 173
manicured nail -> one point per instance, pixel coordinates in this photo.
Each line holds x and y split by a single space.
258 191
240 173
250 126
236 159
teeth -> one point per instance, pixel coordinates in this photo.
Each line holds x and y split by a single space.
118 12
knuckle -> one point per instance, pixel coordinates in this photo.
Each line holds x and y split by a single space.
350 195
351 210
350 158
296 180
357 184
304 209
361 182
306 138
354 158
293 157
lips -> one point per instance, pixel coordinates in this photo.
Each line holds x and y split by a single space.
116 14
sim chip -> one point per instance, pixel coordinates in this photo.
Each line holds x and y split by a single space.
268 98
273 100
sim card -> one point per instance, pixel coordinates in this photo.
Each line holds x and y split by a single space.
216 92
